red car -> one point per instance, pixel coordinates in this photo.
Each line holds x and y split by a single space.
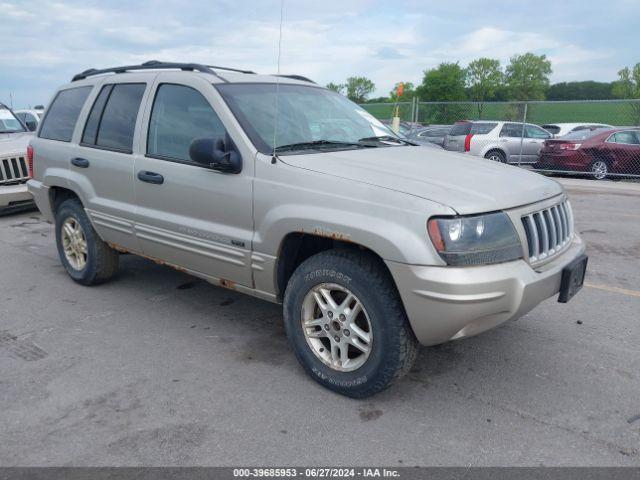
600 152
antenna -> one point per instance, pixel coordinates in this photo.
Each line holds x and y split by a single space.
11 95
275 126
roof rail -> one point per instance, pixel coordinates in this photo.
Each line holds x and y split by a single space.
156 65
296 77
231 69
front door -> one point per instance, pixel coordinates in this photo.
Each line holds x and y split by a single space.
188 215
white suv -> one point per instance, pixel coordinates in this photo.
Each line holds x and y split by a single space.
505 142
14 167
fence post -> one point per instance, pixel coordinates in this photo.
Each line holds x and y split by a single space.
524 121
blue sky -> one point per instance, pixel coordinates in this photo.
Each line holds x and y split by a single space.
45 43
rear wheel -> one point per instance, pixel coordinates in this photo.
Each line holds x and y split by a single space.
346 323
496 156
599 169
87 259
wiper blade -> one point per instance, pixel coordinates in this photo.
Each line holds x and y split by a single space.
386 138
318 143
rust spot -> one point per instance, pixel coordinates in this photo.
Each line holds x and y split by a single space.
156 260
227 284
343 237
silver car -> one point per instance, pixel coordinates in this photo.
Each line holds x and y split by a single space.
371 244
505 142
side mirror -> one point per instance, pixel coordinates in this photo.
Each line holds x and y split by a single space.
213 153
31 125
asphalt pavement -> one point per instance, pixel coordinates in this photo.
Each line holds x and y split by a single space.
160 368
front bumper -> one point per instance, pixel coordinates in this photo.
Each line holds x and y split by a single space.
11 195
448 303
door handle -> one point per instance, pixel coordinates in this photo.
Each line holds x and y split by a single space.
150 177
80 162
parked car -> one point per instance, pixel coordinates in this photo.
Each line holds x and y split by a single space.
599 152
505 142
14 169
31 118
406 127
433 134
561 129
372 244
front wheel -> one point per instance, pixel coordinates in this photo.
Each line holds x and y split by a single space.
346 323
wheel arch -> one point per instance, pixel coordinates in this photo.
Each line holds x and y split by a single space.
296 247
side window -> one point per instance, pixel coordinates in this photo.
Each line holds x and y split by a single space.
511 130
22 116
112 120
533 131
628 138
62 114
180 114
482 128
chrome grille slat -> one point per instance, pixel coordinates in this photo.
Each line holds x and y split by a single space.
13 170
548 231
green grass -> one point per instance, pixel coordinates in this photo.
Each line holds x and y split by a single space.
613 113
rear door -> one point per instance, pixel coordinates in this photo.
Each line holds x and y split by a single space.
533 142
189 215
102 165
512 141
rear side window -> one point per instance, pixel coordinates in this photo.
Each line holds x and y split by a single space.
112 120
512 130
551 128
482 128
461 128
63 113
180 114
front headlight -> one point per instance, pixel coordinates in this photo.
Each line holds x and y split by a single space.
475 240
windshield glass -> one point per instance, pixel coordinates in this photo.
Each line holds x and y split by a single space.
305 114
9 123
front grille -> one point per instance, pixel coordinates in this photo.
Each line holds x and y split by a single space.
548 231
13 170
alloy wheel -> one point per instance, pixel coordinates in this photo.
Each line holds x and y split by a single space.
337 327
74 243
599 170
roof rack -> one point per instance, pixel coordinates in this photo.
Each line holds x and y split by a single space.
296 77
156 65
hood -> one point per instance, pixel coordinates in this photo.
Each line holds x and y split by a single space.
462 182
12 143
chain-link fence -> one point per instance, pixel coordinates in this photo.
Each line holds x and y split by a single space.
598 139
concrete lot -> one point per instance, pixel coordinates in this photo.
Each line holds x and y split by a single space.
159 368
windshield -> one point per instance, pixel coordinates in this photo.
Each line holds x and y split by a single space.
9 123
305 115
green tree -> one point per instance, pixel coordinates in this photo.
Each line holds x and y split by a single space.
337 87
445 83
359 88
628 87
587 90
408 93
527 76
483 77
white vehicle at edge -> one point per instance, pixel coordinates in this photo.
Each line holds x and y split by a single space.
561 129
14 169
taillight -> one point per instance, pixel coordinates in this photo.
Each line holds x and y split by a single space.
570 146
30 160
467 142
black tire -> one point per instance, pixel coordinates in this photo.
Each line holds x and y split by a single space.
394 347
102 260
496 155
